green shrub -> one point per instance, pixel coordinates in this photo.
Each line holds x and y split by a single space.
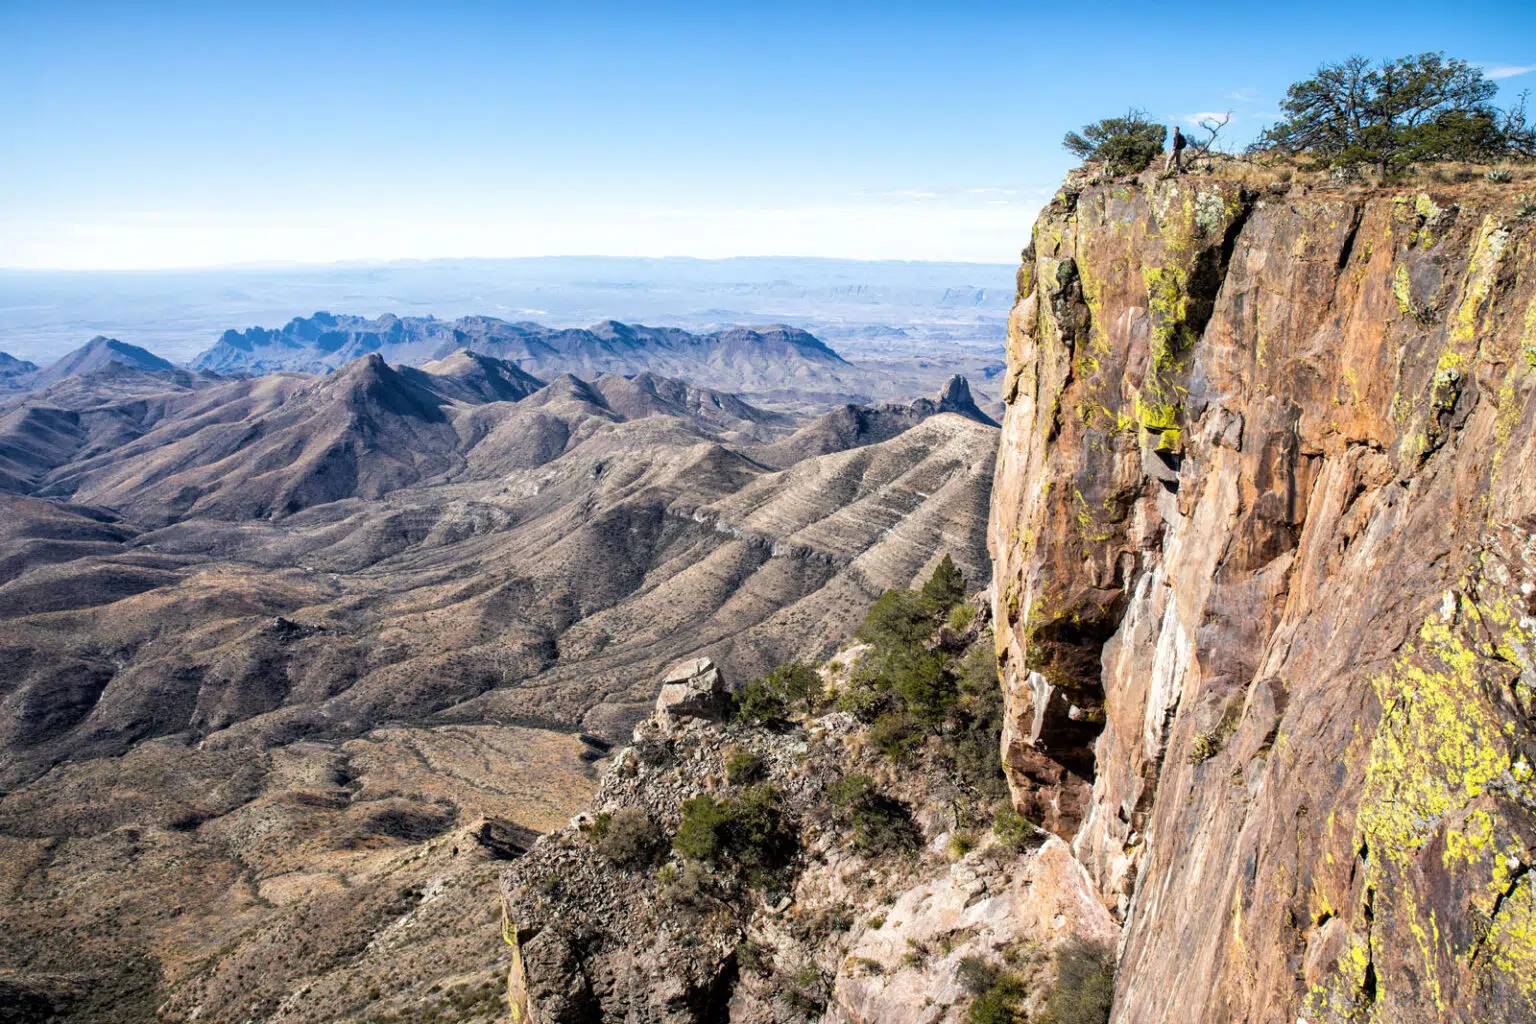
851 789
961 616
1084 991
1014 831
743 767
903 677
701 833
895 734
977 974
975 744
898 618
1124 145
901 618
921 678
880 823
628 837
759 837
900 673
754 957
688 888
946 587
1001 1002
750 831
805 992
771 699
863 701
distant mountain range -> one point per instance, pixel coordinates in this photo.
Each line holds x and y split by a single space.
738 357
864 309
775 365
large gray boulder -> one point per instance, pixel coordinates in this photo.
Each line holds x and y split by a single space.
692 689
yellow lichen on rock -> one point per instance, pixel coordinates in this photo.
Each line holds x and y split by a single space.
1441 757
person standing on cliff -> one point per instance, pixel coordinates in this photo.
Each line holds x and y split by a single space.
1175 161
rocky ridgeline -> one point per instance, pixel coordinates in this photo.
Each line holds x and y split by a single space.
615 924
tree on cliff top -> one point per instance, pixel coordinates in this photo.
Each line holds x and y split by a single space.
1409 110
1124 145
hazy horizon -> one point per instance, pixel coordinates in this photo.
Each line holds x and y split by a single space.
859 307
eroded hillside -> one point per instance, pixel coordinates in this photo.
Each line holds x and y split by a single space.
1264 570
274 650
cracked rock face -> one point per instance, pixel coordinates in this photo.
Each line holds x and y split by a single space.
1264 539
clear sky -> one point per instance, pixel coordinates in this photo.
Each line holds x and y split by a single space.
160 134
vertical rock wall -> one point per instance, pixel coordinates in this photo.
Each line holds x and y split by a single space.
1264 534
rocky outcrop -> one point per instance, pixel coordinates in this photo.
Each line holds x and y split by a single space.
1264 538
955 396
691 689
503 839
611 925
983 906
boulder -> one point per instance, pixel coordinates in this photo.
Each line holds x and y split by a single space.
692 689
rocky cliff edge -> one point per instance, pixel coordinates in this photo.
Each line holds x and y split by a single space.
1265 590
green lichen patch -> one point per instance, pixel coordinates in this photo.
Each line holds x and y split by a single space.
1438 747
1159 420
1092 521
1168 308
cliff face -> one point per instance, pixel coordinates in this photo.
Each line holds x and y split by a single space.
1265 587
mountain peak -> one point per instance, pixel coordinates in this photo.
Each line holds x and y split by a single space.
98 354
472 376
10 366
955 397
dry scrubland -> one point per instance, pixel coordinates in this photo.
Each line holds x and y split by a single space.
275 649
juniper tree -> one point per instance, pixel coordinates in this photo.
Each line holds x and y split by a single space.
1397 112
1124 145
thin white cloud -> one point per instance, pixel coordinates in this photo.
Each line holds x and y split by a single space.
1193 120
1507 70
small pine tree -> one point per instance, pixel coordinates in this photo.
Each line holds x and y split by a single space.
946 587
771 698
897 618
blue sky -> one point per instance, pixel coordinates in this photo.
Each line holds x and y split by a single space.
160 134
